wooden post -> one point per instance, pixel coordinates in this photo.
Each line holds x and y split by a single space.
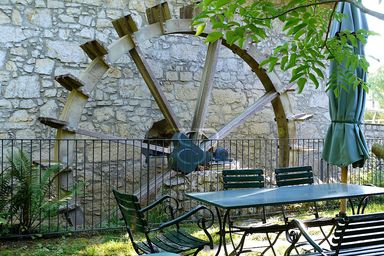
344 179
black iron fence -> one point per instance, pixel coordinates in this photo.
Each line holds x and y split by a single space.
41 195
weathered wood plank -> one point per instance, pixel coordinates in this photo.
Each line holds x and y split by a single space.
148 189
240 119
155 88
204 95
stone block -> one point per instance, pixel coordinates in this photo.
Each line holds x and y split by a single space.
4 19
66 18
65 51
23 87
2 58
55 4
39 17
172 76
11 34
49 109
16 17
44 66
186 76
20 116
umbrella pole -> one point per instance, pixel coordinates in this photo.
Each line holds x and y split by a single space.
344 179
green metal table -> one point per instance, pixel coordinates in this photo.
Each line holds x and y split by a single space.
246 198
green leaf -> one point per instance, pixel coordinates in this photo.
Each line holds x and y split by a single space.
200 29
353 40
318 72
299 34
241 42
283 63
364 64
231 37
298 72
258 31
221 3
301 84
264 62
297 28
214 36
292 60
314 80
291 22
272 63
207 2
362 38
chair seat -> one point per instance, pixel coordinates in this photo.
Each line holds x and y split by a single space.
320 222
260 227
173 241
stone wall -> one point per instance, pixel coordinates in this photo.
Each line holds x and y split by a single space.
40 39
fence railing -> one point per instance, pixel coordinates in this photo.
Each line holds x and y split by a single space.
77 196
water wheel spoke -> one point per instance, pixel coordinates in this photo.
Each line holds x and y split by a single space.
241 118
204 95
155 88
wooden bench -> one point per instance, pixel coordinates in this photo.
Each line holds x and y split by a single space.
354 235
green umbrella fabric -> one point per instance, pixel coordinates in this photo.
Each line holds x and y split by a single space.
345 142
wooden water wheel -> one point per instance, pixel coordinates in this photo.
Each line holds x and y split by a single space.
130 38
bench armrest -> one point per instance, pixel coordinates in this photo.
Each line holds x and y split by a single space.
202 221
303 230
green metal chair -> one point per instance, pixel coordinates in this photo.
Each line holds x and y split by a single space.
243 179
168 236
294 176
298 175
303 175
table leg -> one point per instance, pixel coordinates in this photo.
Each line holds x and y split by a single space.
222 223
221 235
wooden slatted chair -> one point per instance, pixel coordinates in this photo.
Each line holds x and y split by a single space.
243 179
354 235
302 175
294 176
168 236
298 175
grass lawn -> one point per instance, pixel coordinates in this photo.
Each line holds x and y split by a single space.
117 243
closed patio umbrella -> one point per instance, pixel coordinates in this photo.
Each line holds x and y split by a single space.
345 142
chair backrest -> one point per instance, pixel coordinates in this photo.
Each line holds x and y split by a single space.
130 209
299 175
358 231
244 178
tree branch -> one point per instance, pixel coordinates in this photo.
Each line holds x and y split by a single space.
354 2
361 7
329 25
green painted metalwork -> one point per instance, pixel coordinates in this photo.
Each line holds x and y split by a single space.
161 239
244 198
298 175
354 236
247 178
